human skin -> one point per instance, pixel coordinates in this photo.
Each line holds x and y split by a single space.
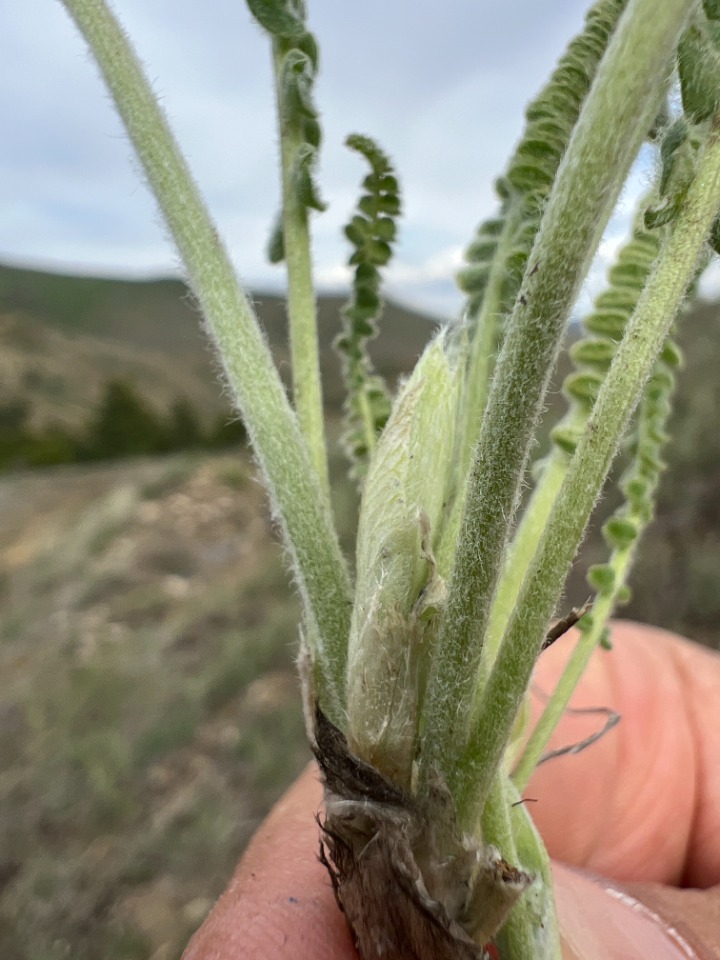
640 807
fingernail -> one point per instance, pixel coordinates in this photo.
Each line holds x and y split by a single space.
601 921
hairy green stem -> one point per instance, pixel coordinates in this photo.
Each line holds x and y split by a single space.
484 343
571 675
672 274
531 930
302 310
295 491
611 127
517 561
368 423
523 546
610 579
482 351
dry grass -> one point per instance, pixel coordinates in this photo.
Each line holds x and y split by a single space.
148 707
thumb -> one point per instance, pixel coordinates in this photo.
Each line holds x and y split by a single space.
280 905
602 920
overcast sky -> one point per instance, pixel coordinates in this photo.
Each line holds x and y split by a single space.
441 87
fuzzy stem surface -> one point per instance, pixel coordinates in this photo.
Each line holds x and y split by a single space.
523 546
296 493
532 929
302 311
571 675
619 109
644 337
485 340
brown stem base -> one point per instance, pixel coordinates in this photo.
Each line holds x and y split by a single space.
410 885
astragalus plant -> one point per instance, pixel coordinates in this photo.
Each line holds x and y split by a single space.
416 671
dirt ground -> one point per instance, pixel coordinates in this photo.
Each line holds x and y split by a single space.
148 706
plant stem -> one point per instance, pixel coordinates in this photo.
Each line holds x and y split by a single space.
574 669
673 273
483 349
523 546
302 313
650 437
295 492
368 423
611 127
485 339
531 930
518 558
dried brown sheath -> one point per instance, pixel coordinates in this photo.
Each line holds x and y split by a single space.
410 886
561 627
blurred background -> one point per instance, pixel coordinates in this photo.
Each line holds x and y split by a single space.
149 713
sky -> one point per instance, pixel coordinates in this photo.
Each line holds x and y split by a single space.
441 88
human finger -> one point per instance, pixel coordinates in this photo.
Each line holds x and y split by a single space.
643 803
280 903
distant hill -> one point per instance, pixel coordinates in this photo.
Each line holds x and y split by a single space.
63 337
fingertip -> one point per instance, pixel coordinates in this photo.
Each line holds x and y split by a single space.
600 920
280 902
610 807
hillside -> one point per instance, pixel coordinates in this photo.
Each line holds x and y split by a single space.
63 337
148 705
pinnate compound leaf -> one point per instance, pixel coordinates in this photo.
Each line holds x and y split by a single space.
699 71
282 18
276 243
372 231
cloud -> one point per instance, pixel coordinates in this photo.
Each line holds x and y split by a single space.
442 91
710 282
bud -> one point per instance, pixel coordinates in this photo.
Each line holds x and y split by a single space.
398 591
